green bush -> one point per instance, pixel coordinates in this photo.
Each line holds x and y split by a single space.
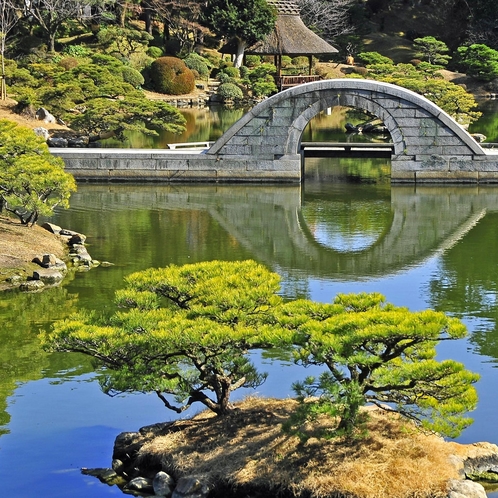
369 58
195 62
264 87
155 52
253 60
231 71
230 91
132 76
244 71
225 78
479 61
76 50
262 71
170 75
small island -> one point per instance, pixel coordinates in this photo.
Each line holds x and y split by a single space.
369 425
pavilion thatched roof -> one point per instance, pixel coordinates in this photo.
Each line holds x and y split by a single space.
290 36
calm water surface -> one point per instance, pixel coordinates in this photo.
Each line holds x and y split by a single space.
422 247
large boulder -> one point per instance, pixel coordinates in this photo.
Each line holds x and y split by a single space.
465 489
43 115
57 142
191 487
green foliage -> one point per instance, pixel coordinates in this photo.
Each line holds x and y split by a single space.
131 113
231 71
124 41
432 50
32 181
252 60
425 80
155 52
132 76
229 91
184 332
262 71
226 78
381 354
264 87
76 51
196 62
479 61
99 94
170 75
370 58
247 20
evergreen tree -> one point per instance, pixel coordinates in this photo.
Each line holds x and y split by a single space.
380 354
32 181
245 21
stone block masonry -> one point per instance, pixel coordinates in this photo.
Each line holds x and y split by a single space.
264 145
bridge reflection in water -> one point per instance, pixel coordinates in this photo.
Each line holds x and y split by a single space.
270 222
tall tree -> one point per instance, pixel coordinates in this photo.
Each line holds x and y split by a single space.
432 50
245 21
52 14
10 12
330 18
181 20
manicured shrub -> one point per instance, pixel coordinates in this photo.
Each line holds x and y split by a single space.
170 75
225 78
244 71
264 87
155 52
196 62
132 76
231 71
252 60
370 58
230 91
262 71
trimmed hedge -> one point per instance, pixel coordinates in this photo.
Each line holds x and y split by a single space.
170 75
229 91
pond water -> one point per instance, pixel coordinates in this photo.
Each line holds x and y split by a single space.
343 230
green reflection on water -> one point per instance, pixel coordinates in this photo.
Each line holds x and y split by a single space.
22 316
141 226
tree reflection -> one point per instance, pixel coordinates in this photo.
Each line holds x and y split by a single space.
467 283
22 316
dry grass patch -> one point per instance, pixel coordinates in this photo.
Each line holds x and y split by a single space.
19 244
248 448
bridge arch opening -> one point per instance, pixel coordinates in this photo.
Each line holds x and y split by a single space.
346 100
332 124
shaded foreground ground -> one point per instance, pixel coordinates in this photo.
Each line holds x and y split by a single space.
248 451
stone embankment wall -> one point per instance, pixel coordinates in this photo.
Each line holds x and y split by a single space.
173 166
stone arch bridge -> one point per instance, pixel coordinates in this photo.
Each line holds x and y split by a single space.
264 145
428 143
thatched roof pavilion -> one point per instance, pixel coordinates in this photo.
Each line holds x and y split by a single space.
290 37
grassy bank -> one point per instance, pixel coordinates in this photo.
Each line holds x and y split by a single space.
248 451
